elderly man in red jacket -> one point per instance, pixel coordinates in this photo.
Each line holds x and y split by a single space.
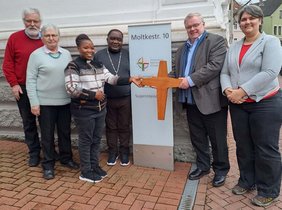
19 47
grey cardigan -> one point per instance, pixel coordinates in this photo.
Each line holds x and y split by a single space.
259 68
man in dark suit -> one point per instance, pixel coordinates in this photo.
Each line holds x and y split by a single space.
198 62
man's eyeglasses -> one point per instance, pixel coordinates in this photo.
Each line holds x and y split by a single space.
50 35
196 25
30 21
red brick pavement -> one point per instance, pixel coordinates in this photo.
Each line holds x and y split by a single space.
132 187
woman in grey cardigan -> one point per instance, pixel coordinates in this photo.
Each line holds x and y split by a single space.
249 80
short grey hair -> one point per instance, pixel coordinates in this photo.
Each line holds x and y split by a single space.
254 11
193 14
48 26
28 11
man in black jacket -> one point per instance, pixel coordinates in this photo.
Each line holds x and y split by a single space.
118 118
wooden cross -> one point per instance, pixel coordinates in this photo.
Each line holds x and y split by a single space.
162 82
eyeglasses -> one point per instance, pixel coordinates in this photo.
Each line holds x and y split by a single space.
50 35
196 25
30 21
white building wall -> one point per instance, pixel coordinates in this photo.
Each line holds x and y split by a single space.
237 33
96 18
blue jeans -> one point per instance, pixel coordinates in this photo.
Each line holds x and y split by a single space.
29 125
256 128
90 126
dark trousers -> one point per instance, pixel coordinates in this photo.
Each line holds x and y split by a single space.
209 128
51 118
256 128
118 120
29 125
90 126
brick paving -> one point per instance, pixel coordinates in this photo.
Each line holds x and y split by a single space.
132 187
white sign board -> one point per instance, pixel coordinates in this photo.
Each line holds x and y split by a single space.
148 44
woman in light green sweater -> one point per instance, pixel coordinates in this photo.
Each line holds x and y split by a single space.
49 100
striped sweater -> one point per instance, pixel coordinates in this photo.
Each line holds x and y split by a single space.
83 78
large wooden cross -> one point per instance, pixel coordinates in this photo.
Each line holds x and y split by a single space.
162 82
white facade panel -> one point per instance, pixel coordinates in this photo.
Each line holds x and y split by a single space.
105 14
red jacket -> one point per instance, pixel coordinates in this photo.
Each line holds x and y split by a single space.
17 52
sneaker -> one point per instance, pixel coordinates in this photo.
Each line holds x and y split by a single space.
90 177
237 190
98 170
48 174
124 161
263 201
112 160
33 161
